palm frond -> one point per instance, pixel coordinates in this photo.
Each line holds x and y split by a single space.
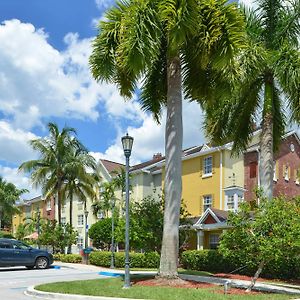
287 72
181 19
154 91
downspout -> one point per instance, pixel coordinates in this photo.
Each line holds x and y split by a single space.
221 179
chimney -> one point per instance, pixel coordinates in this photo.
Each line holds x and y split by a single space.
157 156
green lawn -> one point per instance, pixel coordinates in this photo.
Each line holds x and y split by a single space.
113 288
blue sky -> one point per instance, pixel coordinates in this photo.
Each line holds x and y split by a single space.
44 76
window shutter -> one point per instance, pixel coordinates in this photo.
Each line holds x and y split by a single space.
213 202
290 172
213 158
201 205
283 170
201 166
277 169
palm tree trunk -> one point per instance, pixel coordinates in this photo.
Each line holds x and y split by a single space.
71 220
266 142
59 204
173 181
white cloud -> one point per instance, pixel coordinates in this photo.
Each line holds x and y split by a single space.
104 4
19 180
38 81
149 137
14 143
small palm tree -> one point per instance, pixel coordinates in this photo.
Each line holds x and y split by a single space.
49 170
170 46
268 83
80 180
9 195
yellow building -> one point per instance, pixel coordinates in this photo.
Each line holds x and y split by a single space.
212 185
28 209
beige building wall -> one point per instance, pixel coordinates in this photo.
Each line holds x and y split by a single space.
233 165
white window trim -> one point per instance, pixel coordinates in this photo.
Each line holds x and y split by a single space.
207 175
80 225
203 170
48 207
204 204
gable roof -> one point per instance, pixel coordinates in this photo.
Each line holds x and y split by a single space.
111 166
256 146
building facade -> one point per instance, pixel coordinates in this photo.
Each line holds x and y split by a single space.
31 208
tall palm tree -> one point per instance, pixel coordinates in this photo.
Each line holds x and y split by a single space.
9 195
169 46
80 180
268 84
49 170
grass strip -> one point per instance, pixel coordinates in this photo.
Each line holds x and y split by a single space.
113 288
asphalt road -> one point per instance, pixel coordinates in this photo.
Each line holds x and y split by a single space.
14 281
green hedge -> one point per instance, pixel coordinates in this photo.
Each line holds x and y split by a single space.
214 261
68 258
137 260
7 235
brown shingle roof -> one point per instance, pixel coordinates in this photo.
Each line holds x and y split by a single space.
111 166
221 214
146 163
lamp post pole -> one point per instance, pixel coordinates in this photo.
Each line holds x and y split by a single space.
38 227
86 213
112 262
1 209
127 142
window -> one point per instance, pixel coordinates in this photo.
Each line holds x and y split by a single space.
274 171
5 245
79 205
230 203
63 220
253 167
48 204
19 245
207 165
297 181
207 202
214 241
63 208
80 220
286 172
80 242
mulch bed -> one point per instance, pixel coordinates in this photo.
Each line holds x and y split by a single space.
244 277
179 283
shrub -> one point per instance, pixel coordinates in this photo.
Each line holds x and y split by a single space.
137 260
57 256
68 258
214 261
5 234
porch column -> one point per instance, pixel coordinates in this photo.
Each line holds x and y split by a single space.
200 239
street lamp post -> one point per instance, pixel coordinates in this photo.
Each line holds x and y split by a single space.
38 226
127 142
112 262
1 210
86 213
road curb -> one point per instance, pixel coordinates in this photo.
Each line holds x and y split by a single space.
31 291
